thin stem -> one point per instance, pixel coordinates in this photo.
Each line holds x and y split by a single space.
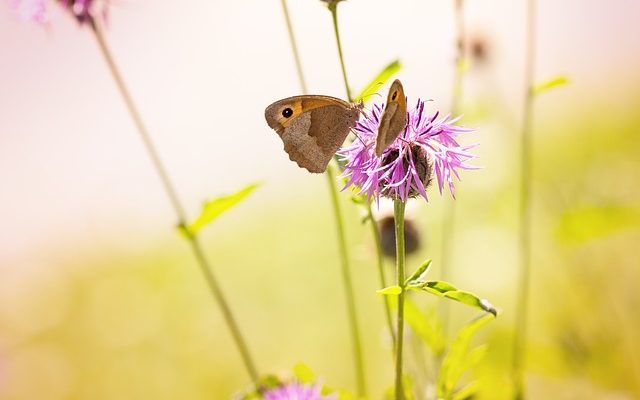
177 205
522 308
294 47
383 279
342 245
348 285
333 7
448 227
398 217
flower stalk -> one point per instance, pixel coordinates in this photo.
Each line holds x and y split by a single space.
194 242
294 47
383 279
522 306
333 8
348 286
398 217
346 273
333 191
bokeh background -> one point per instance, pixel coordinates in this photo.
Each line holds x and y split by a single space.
101 299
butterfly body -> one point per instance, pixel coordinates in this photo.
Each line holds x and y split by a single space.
312 127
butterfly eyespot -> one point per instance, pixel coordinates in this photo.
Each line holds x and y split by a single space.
395 94
287 112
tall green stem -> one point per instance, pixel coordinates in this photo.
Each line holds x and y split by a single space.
522 308
383 279
348 286
294 47
342 245
448 226
177 205
333 7
398 216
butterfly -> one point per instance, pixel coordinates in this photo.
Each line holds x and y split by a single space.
313 127
393 119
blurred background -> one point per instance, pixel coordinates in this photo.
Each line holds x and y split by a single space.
101 299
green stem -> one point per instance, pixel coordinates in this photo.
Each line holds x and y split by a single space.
177 205
522 307
348 285
344 257
294 47
398 216
383 279
333 7
448 227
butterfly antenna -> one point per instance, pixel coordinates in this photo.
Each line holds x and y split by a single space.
359 138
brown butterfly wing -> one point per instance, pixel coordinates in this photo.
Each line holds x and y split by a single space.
316 128
393 119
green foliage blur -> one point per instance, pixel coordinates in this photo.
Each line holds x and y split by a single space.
114 323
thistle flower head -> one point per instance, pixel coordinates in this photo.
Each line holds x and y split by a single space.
84 11
426 147
296 391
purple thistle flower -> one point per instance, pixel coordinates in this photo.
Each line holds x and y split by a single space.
427 145
296 391
82 10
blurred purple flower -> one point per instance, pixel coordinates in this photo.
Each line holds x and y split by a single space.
82 10
296 391
405 169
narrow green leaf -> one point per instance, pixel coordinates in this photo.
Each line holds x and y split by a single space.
358 199
467 392
543 86
472 300
391 290
453 363
390 70
426 327
212 209
303 373
445 289
473 358
422 270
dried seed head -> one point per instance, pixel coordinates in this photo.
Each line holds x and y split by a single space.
388 236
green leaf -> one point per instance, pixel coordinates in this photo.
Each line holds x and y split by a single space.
212 209
543 86
472 300
422 270
393 68
358 199
467 392
426 327
445 289
391 290
303 373
345 395
454 362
